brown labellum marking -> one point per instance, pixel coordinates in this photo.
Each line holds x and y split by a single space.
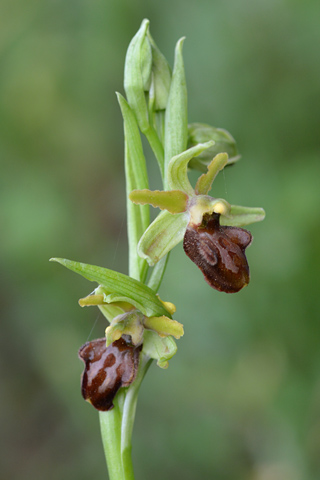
219 252
106 370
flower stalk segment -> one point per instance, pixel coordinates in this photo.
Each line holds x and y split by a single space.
140 327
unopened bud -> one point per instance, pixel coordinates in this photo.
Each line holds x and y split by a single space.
137 74
223 142
161 78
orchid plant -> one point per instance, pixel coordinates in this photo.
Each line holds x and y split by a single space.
140 326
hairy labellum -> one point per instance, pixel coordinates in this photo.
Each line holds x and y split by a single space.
106 370
219 252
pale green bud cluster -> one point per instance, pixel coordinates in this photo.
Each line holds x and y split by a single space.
147 77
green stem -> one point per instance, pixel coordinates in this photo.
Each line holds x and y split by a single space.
110 424
129 410
156 146
158 273
117 425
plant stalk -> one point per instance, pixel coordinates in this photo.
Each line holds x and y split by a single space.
110 425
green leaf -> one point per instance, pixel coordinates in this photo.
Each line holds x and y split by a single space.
204 183
174 201
241 216
119 284
176 120
160 349
136 71
138 216
164 233
177 175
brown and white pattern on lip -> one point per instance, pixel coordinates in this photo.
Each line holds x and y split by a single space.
107 369
219 252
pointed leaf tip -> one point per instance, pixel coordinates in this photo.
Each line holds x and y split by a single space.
56 259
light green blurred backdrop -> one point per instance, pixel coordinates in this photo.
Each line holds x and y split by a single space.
241 400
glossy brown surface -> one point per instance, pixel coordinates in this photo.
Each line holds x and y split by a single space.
106 370
219 252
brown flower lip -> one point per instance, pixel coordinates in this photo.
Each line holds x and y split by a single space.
219 252
107 369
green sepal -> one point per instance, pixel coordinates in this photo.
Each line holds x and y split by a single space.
177 176
164 233
164 326
137 68
161 349
117 283
138 216
204 182
176 119
110 311
223 142
126 324
174 201
241 216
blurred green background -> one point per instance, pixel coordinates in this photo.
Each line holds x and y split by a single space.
241 399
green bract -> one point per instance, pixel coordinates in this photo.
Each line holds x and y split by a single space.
119 287
176 118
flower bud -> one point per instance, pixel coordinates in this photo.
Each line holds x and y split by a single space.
161 78
146 63
219 252
224 142
137 74
106 370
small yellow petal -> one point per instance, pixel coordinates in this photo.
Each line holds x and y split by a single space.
170 307
91 300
